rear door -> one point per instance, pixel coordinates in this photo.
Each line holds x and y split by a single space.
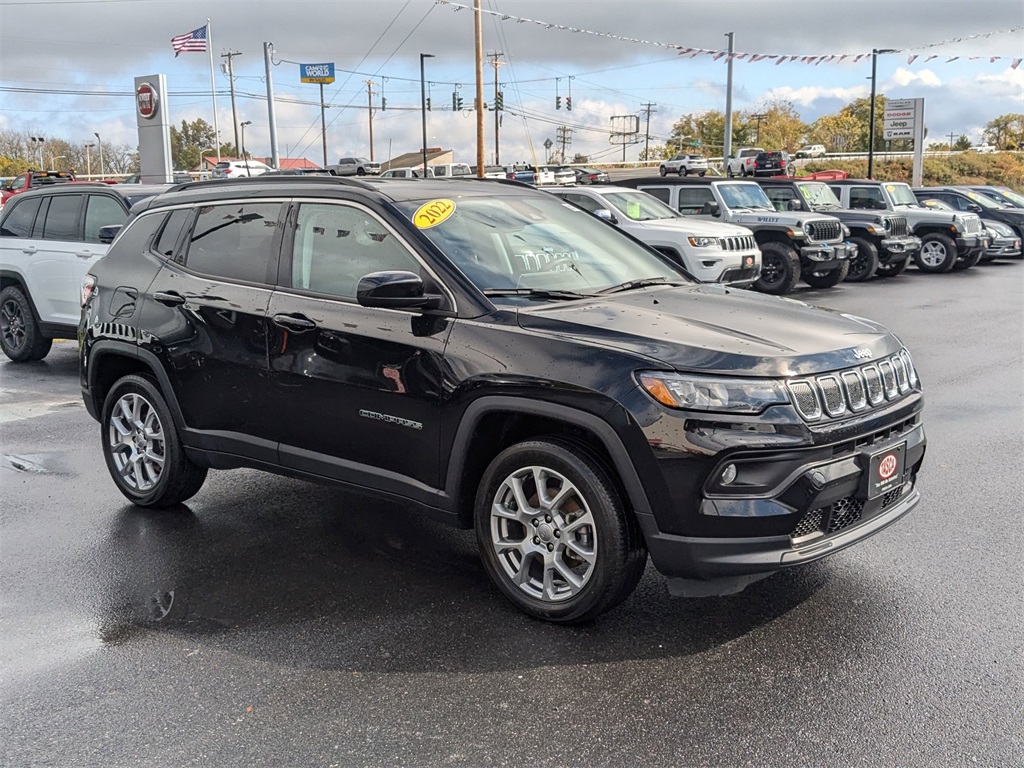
357 390
53 276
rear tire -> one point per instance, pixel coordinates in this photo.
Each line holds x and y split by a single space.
20 337
142 448
966 262
663 170
937 253
554 532
683 172
892 268
780 269
829 279
863 267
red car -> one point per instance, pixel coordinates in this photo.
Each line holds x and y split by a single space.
32 180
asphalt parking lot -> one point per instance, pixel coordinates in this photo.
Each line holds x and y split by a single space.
276 623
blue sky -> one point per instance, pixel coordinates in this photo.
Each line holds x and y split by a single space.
44 51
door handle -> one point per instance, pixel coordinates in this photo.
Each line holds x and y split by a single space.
169 298
84 254
294 323
29 250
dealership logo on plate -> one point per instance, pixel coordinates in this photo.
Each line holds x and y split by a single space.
887 466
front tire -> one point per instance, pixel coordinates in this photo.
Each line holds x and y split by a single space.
937 253
966 262
892 268
865 264
663 170
829 279
780 269
683 172
142 448
20 337
554 533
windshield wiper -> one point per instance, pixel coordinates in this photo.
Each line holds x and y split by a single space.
539 293
629 285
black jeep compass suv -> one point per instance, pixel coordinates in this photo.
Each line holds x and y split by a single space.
507 362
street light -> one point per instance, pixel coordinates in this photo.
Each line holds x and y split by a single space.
88 159
37 144
103 173
871 118
202 155
53 159
246 159
423 109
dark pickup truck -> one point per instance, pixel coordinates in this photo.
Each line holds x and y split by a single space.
884 242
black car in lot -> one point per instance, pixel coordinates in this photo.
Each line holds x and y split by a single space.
591 176
968 200
773 164
505 361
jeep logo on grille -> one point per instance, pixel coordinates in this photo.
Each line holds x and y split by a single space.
862 353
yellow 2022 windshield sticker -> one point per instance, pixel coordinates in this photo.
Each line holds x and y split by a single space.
433 213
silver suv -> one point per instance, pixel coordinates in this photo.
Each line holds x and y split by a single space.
48 240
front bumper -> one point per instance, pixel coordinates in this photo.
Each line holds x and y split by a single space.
1002 248
893 250
968 244
821 506
826 255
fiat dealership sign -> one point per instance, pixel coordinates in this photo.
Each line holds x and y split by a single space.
146 101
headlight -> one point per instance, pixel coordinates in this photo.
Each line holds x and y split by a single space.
703 242
999 228
699 393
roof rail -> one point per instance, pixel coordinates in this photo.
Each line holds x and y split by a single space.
285 180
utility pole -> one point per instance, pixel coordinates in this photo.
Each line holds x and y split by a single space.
871 114
275 154
479 36
497 101
727 142
648 108
951 134
323 125
231 79
369 112
564 138
758 118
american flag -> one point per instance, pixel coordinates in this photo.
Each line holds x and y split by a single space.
192 41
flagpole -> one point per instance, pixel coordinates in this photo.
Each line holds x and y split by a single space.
213 89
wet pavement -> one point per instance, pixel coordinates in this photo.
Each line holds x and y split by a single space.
278 623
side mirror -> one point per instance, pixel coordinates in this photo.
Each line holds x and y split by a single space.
394 289
711 209
974 208
6 186
607 215
794 205
108 233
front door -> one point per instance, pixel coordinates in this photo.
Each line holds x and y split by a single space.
357 390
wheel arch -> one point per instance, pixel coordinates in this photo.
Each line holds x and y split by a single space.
491 424
10 278
109 361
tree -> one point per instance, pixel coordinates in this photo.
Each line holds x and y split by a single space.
706 132
962 143
780 125
580 158
1005 131
838 133
188 142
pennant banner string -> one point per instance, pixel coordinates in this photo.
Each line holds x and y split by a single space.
718 54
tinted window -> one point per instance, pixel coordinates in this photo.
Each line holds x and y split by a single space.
18 222
692 199
136 237
62 218
336 245
101 211
168 238
235 241
867 197
662 193
780 197
585 202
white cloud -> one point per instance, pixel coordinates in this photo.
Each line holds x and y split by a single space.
807 95
903 77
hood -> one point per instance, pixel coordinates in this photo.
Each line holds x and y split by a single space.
691 226
712 329
760 219
927 214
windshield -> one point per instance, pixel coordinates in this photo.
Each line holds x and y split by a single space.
745 195
983 201
900 194
818 195
1009 194
639 206
510 243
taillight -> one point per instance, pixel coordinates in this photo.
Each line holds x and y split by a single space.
227 171
88 288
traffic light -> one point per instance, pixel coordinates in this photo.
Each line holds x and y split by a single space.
499 100
458 101
558 102
383 103
568 103
428 103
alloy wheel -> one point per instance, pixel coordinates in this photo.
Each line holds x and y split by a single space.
543 534
933 254
12 325
136 440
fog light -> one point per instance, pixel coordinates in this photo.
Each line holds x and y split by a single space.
728 474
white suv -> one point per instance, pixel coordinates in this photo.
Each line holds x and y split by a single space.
48 240
684 165
710 251
233 169
811 150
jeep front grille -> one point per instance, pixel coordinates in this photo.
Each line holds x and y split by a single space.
972 225
824 231
897 226
844 393
839 515
738 243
